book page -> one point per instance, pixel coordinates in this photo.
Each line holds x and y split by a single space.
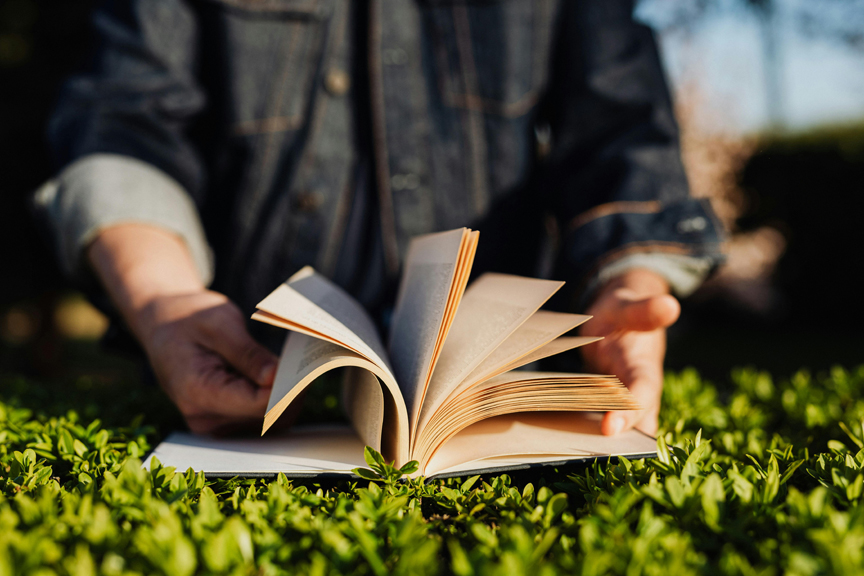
311 304
520 392
363 399
517 439
540 329
340 305
307 450
557 346
435 271
305 358
493 307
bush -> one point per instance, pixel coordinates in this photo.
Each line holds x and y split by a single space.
763 478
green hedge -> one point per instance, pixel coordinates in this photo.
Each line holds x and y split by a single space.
758 477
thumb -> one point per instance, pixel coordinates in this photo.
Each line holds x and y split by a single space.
244 354
648 314
646 388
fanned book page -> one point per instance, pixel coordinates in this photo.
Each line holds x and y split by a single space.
445 391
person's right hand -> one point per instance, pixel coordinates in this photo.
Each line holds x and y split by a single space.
196 339
206 361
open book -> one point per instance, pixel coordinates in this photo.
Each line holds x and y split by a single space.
443 391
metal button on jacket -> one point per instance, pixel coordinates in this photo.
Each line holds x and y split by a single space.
337 82
308 201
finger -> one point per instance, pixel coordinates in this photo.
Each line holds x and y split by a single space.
648 314
646 391
244 354
221 393
221 425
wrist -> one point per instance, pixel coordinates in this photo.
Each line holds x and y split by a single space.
640 282
138 265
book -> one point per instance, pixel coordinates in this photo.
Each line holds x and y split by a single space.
445 391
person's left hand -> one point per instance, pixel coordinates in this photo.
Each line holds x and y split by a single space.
632 312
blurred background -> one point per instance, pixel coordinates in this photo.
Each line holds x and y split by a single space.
770 99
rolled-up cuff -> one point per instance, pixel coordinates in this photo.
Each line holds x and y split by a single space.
683 273
680 241
103 190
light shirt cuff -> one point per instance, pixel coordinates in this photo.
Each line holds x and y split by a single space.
683 273
103 190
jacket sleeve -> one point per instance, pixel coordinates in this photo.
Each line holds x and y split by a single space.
613 174
118 132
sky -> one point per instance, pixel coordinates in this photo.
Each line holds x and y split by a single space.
720 53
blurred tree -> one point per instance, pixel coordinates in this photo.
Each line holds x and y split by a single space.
834 20
772 62
840 21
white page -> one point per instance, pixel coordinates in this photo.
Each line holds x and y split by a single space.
554 347
288 308
426 283
301 356
519 392
540 329
514 439
340 305
305 358
302 451
493 307
364 402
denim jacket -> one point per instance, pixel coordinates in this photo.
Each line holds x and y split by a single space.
241 124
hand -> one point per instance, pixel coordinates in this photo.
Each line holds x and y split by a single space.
196 339
632 312
206 361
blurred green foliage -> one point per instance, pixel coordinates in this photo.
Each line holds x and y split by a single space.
766 478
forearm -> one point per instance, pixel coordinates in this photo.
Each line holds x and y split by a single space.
103 191
139 263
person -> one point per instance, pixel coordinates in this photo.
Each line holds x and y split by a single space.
211 149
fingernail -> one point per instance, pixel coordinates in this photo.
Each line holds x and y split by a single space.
267 374
616 424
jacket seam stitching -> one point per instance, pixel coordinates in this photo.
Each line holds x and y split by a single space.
267 125
379 138
475 137
611 208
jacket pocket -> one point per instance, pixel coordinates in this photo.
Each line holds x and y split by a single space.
266 52
490 55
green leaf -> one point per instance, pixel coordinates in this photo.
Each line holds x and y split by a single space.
79 447
675 489
772 480
556 505
858 440
469 483
853 490
366 474
65 442
459 562
663 450
713 499
484 535
373 457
